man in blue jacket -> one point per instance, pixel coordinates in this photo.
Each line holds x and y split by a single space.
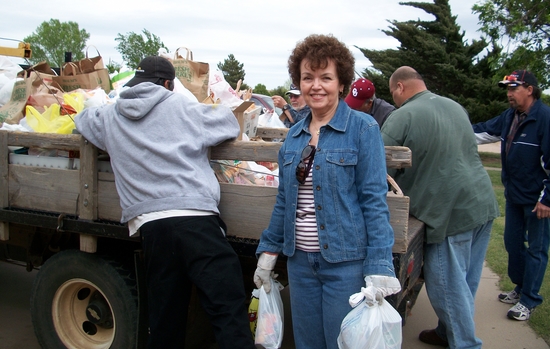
524 132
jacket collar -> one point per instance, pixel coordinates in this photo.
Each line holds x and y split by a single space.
339 121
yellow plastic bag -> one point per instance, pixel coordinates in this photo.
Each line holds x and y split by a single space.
52 120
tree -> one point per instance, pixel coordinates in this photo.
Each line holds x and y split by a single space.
525 24
113 66
261 89
52 39
232 71
450 66
134 47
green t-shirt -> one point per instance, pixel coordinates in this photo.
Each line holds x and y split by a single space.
449 189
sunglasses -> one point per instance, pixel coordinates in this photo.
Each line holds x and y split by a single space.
291 96
304 166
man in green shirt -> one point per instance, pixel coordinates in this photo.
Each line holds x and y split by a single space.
451 193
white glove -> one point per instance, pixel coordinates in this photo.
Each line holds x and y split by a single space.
264 271
382 285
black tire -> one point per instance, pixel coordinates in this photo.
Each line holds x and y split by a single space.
80 300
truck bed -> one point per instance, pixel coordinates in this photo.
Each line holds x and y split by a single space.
87 194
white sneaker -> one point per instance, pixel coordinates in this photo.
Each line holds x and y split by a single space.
519 312
511 297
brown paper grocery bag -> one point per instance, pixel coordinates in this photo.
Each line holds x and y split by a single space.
193 75
90 64
72 78
13 111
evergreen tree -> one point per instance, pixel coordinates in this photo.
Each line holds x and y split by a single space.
450 66
232 71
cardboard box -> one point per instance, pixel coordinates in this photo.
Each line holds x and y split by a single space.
248 119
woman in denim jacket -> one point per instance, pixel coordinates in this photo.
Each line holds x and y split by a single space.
331 218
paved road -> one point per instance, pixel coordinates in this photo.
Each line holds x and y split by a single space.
15 320
496 331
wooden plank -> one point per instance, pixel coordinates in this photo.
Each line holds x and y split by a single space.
88 205
396 157
44 189
246 151
246 209
108 199
399 220
271 132
44 140
4 226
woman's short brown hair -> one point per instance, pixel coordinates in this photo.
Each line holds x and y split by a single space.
319 49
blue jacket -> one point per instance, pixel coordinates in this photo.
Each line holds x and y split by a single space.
524 169
350 188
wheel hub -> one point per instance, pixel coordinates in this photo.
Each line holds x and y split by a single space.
98 311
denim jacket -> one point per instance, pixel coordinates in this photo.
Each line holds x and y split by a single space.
350 188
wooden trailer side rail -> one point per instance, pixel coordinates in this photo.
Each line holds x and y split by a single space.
91 195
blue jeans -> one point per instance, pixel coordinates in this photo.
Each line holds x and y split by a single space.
452 270
319 295
526 264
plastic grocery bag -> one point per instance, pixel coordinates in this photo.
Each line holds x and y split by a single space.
271 119
222 90
370 325
55 119
269 326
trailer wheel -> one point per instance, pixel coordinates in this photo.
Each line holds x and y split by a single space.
80 300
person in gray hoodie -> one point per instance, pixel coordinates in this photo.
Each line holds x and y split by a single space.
158 143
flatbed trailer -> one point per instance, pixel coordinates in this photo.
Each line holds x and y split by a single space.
62 218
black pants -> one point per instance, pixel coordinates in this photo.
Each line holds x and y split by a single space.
182 251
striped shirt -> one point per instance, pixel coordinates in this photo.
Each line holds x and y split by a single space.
307 238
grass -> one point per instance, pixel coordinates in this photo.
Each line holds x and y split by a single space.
497 258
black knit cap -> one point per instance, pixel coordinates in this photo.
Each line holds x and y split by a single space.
151 69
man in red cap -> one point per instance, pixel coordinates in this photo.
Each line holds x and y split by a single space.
361 97
524 133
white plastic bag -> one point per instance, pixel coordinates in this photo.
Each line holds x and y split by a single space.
269 326
271 119
222 90
370 326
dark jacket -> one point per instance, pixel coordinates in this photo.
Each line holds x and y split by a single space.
381 110
525 167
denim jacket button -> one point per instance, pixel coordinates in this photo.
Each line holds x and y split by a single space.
319 207
341 160
318 188
322 227
325 246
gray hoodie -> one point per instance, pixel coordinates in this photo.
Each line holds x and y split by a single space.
158 144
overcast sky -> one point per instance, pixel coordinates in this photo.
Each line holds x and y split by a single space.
260 34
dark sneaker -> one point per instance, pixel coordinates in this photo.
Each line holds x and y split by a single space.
431 337
511 297
519 312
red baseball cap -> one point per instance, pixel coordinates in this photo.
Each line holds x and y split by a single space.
361 90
